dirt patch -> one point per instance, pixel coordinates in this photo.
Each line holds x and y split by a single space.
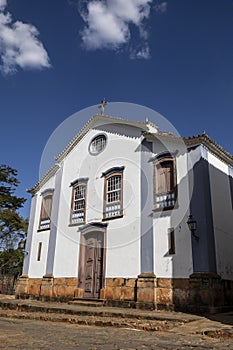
219 333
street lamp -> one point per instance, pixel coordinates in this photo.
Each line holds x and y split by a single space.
192 224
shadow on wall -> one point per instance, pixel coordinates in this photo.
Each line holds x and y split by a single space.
210 287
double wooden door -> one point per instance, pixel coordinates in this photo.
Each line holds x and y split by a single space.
91 264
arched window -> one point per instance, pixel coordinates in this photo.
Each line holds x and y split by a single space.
165 183
46 210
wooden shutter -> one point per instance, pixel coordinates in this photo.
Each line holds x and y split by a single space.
164 177
46 207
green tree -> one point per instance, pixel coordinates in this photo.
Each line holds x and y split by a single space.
13 228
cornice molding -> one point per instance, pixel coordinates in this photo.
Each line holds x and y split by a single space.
211 145
144 126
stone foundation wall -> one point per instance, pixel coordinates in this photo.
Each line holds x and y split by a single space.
202 292
119 289
172 293
46 288
64 287
34 286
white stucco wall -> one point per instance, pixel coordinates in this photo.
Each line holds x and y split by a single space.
123 234
37 269
180 264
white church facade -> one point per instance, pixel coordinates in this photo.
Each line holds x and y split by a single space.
134 216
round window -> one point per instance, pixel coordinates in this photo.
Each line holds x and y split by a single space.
98 144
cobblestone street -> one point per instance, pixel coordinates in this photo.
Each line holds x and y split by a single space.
31 334
30 324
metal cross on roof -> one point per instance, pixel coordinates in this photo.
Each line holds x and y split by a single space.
102 105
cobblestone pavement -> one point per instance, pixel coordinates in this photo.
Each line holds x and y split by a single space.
37 335
30 324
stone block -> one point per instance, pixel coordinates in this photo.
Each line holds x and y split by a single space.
164 296
130 282
118 282
146 295
79 292
34 286
180 296
127 293
116 293
180 283
147 275
146 288
102 293
47 286
108 292
145 283
22 285
165 282
109 282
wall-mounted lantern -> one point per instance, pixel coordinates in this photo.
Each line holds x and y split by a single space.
192 224
21 247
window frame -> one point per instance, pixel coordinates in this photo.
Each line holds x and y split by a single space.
39 251
117 171
96 137
157 164
171 241
46 226
75 185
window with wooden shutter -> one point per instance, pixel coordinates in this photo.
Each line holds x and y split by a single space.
113 193
165 192
78 203
46 210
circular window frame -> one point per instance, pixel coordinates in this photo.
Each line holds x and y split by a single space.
91 143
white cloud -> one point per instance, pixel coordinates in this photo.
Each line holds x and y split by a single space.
108 23
19 45
103 29
143 53
3 4
162 7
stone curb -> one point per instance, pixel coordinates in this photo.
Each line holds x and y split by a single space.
144 325
106 317
100 312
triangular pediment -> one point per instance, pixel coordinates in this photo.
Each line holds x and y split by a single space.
95 122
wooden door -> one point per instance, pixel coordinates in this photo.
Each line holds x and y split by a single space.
93 265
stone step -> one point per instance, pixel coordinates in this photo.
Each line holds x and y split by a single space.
87 302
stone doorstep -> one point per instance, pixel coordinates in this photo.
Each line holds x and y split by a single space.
94 300
87 302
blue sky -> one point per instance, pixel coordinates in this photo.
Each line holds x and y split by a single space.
58 57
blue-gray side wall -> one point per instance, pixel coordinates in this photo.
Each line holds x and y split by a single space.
204 255
147 246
